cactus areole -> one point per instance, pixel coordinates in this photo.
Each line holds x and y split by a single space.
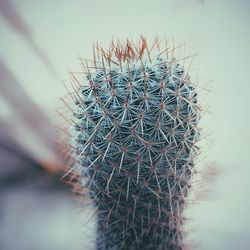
135 134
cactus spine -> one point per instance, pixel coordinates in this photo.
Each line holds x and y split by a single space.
135 124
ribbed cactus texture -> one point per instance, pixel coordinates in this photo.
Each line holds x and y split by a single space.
135 126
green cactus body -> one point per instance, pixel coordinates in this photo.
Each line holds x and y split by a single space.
135 133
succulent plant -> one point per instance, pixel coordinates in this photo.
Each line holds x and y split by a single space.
134 138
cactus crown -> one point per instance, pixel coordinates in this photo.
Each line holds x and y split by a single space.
135 130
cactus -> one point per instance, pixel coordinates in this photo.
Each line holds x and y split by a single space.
135 134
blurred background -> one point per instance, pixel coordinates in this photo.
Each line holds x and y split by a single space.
41 41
